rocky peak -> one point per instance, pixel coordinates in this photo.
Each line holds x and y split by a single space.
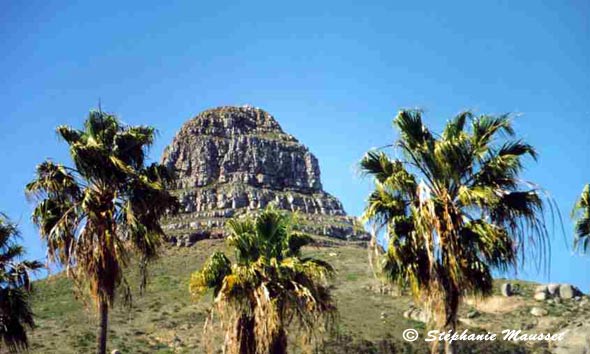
230 160
229 121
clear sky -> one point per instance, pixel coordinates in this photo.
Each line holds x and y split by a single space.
333 73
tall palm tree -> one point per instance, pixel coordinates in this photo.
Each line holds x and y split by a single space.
269 286
581 213
454 208
94 215
15 287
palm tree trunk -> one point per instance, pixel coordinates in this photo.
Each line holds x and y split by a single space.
245 335
450 346
279 343
103 326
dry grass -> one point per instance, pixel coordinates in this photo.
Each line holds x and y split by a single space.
165 320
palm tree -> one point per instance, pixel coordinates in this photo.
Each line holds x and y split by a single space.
453 208
269 286
94 215
581 212
15 287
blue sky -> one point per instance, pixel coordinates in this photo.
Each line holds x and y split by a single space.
332 72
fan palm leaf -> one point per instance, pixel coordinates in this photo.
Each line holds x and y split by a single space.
469 214
582 214
269 287
16 316
95 215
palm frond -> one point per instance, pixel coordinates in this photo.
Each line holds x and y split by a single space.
470 213
270 287
16 316
581 214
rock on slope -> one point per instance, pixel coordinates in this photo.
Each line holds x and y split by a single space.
230 160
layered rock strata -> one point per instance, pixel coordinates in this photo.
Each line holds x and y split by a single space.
231 160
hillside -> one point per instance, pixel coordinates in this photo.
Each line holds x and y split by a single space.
166 320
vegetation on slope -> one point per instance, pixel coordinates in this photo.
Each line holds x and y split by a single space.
166 320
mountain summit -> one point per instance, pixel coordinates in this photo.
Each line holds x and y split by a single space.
231 160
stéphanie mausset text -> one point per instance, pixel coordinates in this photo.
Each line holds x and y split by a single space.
515 335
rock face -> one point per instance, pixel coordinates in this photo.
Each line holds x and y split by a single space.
231 160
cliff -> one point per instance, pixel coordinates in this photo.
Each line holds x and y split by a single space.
231 160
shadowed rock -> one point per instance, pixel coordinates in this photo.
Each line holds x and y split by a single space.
506 289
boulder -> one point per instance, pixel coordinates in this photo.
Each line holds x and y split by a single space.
553 289
416 314
567 291
541 289
507 290
420 316
408 313
539 312
540 296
